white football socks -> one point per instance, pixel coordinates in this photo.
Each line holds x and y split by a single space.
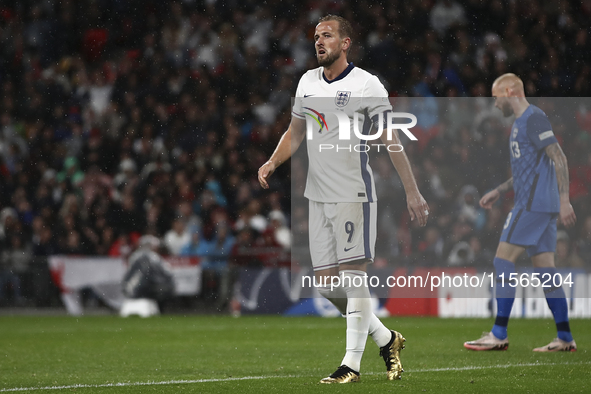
359 313
380 334
336 295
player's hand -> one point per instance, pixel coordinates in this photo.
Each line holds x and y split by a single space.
417 207
489 199
567 214
265 172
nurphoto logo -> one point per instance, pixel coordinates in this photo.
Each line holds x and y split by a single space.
317 122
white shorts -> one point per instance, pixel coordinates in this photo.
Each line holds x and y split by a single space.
341 233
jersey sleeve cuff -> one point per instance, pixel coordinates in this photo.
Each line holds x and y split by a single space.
545 139
293 113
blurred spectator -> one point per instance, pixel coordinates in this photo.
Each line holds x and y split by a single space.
126 179
251 217
565 257
446 14
482 256
121 247
105 241
431 248
147 275
192 221
14 262
456 242
278 225
194 247
126 216
177 237
8 218
468 209
242 253
72 244
584 242
46 246
71 173
215 264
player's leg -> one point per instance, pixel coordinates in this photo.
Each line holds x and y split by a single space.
358 312
390 342
348 372
519 229
504 263
542 256
346 222
329 287
323 254
361 321
355 230
325 263
338 297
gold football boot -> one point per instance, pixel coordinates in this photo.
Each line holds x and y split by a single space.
391 355
343 374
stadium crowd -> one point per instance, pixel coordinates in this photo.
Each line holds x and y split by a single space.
124 118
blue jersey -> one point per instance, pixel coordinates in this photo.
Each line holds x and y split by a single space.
534 176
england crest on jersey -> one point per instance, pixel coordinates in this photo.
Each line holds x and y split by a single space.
342 98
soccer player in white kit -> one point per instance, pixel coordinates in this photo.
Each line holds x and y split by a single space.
341 190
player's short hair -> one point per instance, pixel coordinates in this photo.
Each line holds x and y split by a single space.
345 29
509 77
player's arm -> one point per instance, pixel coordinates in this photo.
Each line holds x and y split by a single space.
567 214
491 197
416 204
288 144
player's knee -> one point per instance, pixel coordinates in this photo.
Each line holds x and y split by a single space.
327 292
543 260
336 295
509 252
354 283
356 265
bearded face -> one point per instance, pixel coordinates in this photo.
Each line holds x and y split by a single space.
502 103
328 43
506 108
327 58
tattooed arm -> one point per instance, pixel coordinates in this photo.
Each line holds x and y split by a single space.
567 214
491 197
505 186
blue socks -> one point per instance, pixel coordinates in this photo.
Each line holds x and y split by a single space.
556 300
505 296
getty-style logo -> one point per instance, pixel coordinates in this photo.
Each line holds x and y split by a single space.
384 121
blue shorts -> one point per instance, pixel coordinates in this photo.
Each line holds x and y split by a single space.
536 231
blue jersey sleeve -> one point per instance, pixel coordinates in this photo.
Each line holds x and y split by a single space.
539 131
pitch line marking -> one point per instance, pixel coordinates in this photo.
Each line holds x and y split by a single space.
171 382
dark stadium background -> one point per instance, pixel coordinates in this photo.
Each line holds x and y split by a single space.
119 117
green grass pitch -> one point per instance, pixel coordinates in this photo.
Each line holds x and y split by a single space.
272 354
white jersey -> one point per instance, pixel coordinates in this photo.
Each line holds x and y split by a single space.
339 169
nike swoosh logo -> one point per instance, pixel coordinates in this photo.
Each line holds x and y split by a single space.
348 249
350 313
308 95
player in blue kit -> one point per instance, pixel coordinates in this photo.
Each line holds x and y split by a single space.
540 181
